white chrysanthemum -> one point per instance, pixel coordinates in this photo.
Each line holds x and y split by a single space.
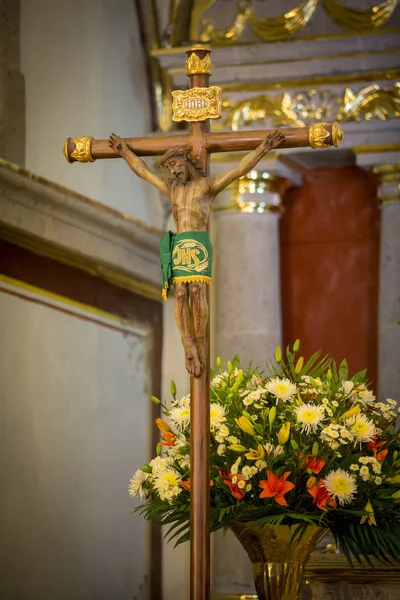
217 416
184 461
363 395
282 389
364 473
241 484
377 467
232 439
378 480
219 380
180 416
341 485
260 464
347 387
248 487
354 468
362 428
391 402
224 431
335 404
221 449
334 445
254 382
309 416
136 484
235 467
167 484
160 463
247 472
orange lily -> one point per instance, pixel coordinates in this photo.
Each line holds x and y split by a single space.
381 455
322 497
236 491
169 438
311 462
186 484
276 487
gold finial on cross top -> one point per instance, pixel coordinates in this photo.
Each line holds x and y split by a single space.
198 61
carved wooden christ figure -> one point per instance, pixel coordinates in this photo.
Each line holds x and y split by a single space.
186 257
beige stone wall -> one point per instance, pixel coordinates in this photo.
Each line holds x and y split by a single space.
12 85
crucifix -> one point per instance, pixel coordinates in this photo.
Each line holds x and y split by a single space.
186 256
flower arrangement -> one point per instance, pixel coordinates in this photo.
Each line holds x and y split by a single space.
304 445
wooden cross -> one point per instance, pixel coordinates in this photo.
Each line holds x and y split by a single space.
198 105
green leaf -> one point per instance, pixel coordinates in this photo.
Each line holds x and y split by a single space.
344 370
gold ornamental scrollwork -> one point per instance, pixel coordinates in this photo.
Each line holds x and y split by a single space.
303 107
196 104
318 135
283 27
196 65
267 29
360 21
82 151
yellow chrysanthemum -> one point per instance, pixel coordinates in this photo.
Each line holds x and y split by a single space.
217 415
309 416
282 389
180 416
341 485
362 428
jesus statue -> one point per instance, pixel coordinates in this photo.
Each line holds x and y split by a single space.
186 257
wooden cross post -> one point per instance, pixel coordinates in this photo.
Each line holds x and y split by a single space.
197 105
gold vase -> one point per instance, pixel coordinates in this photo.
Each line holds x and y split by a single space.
277 565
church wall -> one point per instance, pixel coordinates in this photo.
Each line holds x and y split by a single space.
76 422
85 75
329 266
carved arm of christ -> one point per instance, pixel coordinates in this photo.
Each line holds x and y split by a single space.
192 194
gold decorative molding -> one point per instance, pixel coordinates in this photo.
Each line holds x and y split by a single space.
285 26
196 104
256 192
196 65
360 21
282 28
266 29
82 151
389 180
318 135
372 102
303 107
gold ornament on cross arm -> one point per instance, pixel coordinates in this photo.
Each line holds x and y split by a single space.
319 135
82 151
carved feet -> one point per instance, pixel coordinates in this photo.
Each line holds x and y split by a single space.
193 361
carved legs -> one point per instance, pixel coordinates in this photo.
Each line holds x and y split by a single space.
192 324
198 295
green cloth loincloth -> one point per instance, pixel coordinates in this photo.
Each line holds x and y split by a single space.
185 257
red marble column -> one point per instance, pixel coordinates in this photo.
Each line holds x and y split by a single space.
329 266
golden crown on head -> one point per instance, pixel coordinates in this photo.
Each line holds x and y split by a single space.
196 65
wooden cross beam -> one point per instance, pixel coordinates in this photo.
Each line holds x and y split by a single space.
198 105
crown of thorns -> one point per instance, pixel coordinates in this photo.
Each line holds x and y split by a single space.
174 152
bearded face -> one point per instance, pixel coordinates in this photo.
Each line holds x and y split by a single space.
178 167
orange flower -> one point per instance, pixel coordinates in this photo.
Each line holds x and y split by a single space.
186 484
381 455
236 491
169 438
276 487
322 497
313 463
163 426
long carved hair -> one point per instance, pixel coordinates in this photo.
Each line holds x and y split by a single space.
193 166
